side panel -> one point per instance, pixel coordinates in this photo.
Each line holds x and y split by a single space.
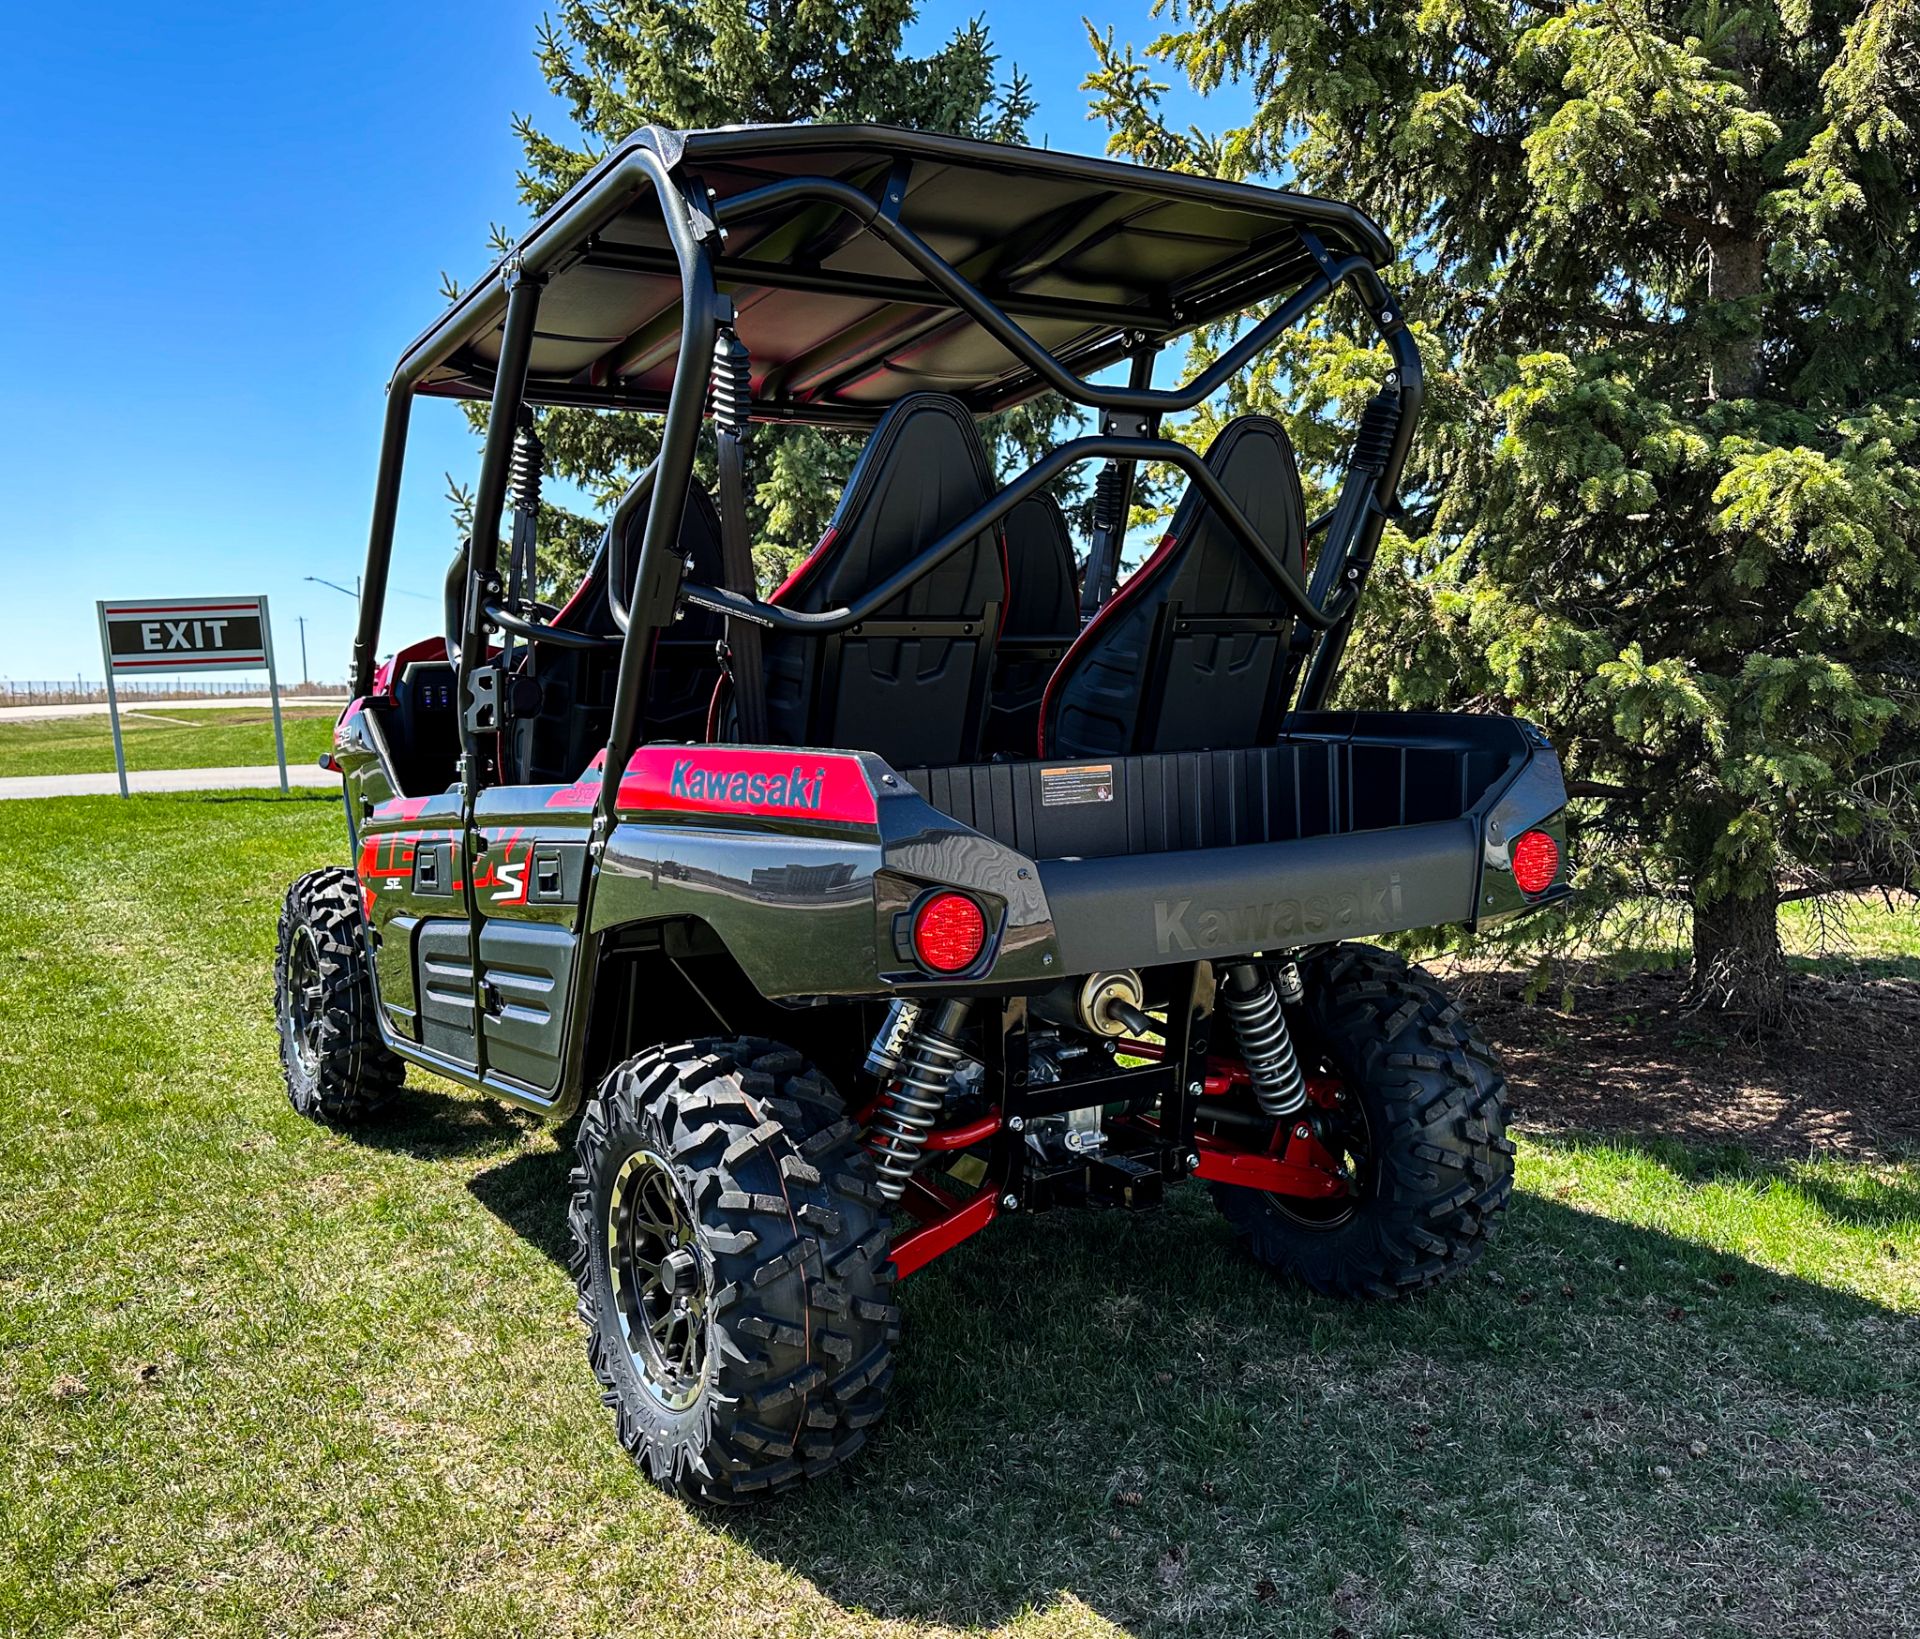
796 912
812 898
528 882
411 872
393 974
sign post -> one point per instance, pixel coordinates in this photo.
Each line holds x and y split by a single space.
113 700
273 689
187 635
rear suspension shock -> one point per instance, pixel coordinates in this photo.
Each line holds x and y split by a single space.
1252 1001
915 1056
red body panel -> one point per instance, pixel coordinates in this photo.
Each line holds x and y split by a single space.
805 785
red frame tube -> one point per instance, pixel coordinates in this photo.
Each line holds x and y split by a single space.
1295 1164
1304 1171
918 1248
1223 1074
964 1137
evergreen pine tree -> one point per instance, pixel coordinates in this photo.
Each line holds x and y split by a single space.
1664 260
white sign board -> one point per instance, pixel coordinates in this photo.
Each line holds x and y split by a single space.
186 634
149 635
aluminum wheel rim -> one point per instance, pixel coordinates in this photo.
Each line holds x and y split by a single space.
306 1000
660 1281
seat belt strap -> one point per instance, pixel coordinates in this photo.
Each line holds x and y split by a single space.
732 396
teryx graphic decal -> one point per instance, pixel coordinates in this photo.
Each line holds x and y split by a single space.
502 879
387 862
384 859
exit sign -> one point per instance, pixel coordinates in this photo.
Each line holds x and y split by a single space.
186 634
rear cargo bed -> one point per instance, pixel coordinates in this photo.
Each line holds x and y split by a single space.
1354 824
1331 774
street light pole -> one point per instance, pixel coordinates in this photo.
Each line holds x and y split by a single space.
304 679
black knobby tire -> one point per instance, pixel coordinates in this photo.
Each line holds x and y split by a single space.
794 1296
337 1069
1437 1168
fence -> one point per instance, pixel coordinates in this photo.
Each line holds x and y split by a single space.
80 691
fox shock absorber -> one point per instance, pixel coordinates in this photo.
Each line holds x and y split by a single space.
523 469
914 1057
1253 1002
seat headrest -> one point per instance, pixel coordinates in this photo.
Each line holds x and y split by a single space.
923 470
1043 594
1253 459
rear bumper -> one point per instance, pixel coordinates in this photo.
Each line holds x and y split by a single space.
1354 826
1152 908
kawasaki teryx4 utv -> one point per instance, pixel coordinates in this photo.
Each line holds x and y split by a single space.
945 882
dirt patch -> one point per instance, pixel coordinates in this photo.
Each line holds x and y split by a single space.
1631 1057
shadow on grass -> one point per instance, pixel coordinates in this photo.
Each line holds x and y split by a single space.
1857 967
432 1126
1119 1412
529 1195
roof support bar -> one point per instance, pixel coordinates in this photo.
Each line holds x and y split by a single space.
993 319
386 508
490 494
652 603
473 316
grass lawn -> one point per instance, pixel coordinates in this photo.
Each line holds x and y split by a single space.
164 736
257 1377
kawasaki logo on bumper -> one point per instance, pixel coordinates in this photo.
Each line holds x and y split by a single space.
794 789
1179 926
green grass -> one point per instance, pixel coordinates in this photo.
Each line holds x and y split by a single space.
1834 936
258 1377
164 736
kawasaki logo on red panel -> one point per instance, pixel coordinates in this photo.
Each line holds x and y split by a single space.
721 780
795 789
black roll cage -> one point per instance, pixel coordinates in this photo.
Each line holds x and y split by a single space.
696 225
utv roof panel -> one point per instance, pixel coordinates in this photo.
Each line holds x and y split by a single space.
1086 255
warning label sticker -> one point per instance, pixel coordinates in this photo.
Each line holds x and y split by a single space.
1085 782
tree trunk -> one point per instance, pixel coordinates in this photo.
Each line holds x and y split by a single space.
1738 966
1736 269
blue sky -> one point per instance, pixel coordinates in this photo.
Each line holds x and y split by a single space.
224 223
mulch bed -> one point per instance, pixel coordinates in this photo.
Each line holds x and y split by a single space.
1631 1057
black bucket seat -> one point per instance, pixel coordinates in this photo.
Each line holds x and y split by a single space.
1189 653
910 683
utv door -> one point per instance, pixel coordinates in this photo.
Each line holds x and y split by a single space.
527 886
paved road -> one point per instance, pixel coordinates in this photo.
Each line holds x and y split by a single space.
134 702
165 779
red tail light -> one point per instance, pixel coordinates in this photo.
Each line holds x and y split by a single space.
1536 861
949 932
